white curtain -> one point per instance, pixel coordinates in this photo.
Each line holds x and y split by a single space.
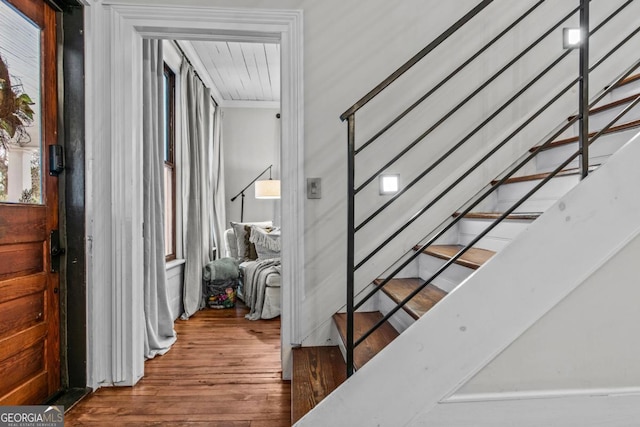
197 145
219 219
159 332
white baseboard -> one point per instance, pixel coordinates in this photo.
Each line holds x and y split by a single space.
620 409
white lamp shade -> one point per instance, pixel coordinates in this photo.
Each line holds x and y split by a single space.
268 189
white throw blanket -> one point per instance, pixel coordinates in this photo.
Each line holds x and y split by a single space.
255 279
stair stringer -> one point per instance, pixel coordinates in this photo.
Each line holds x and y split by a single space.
575 367
463 333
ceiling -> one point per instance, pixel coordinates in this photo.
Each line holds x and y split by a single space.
238 73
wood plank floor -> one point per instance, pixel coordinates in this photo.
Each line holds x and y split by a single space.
317 371
223 370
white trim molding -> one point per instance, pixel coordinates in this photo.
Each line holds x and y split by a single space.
541 394
620 410
250 104
114 183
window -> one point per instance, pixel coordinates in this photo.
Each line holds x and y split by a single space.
21 108
169 164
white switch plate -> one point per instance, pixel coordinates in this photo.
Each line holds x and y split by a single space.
314 188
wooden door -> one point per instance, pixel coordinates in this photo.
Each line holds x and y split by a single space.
29 295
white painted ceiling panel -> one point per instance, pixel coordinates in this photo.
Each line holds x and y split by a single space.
240 71
272 52
260 57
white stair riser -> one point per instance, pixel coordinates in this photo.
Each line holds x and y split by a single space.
599 151
546 196
499 237
449 279
372 304
411 270
401 320
621 92
600 120
450 237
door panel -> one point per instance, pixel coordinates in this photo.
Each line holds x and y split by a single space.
21 367
20 314
29 298
20 223
21 260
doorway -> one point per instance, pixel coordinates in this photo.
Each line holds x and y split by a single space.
116 357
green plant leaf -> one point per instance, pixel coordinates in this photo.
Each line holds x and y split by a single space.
7 127
23 105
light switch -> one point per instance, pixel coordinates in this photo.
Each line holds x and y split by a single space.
314 189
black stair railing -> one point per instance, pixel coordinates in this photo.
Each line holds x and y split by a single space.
583 150
467 210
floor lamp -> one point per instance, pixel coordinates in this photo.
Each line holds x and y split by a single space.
265 189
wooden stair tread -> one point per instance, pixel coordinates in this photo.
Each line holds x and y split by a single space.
473 258
610 105
612 129
399 289
496 215
363 321
629 79
317 371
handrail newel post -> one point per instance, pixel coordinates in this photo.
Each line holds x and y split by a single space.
583 91
350 242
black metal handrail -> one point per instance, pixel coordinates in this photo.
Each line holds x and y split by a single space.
415 59
380 285
584 142
466 138
497 221
349 115
499 182
550 67
447 78
461 104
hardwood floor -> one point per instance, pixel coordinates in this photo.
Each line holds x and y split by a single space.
317 371
223 370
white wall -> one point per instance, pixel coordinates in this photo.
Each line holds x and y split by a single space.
588 341
251 138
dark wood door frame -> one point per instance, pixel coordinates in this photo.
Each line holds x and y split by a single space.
72 210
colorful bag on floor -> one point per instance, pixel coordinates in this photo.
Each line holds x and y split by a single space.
221 293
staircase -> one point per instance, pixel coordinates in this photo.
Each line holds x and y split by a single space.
306 394
446 257
473 223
